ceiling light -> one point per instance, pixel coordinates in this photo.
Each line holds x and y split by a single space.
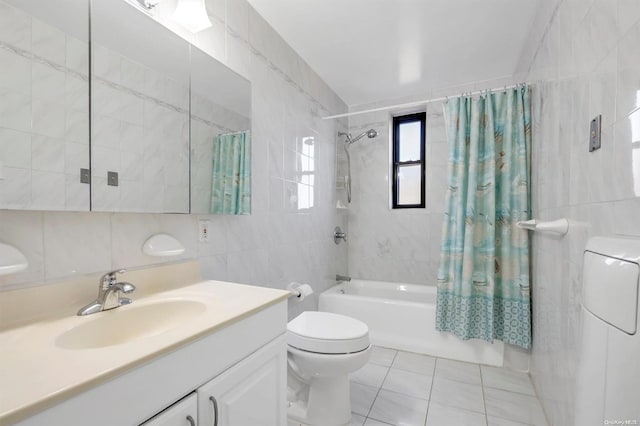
192 14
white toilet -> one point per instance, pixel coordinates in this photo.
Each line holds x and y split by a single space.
323 348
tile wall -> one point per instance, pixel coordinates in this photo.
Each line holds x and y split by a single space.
586 62
283 240
385 244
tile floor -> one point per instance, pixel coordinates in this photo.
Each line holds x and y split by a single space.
402 388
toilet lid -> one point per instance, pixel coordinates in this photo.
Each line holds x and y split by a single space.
328 333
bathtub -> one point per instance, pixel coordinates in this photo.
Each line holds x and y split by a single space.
402 316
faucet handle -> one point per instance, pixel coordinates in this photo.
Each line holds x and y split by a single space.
109 278
117 271
339 235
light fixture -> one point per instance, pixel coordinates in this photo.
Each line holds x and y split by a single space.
145 5
192 14
149 4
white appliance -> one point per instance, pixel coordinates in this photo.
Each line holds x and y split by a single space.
608 375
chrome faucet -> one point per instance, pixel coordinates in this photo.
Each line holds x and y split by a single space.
109 294
341 278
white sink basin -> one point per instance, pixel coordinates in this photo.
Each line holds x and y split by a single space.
128 323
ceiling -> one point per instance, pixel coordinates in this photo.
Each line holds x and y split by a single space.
373 50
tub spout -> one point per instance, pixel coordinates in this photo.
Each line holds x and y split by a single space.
343 278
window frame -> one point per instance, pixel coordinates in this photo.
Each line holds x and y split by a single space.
397 164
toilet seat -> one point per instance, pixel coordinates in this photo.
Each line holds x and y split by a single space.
327 333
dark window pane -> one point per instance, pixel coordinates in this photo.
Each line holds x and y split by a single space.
408 161
409 141
409 184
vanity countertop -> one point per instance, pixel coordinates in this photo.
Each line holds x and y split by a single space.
36 372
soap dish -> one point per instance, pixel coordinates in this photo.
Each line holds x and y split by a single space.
162 245
11 260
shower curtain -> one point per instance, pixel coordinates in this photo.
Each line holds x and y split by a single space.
231 186
483 276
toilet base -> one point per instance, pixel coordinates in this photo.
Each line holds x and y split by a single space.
329 403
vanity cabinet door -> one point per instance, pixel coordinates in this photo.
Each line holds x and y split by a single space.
182 413
251 393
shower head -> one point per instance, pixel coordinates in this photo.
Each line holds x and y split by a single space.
349 140
369 133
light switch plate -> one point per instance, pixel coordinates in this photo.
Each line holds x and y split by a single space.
112 178
85 176
595 133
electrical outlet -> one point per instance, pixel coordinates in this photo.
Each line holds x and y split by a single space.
203 231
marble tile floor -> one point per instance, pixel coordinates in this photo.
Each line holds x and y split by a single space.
403 388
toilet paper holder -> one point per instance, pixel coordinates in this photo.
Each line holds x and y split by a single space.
559 226
299 291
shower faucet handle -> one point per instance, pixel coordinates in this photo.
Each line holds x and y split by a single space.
339 235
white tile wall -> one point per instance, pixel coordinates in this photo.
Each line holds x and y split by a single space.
277 244
585 62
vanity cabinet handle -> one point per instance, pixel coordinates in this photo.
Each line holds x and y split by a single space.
215 410
191 421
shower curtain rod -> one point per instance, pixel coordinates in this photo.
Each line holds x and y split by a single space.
418 103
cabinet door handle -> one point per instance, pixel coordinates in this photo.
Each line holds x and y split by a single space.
191 421
215 410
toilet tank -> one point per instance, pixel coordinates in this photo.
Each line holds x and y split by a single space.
608 374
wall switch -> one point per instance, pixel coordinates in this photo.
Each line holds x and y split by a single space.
595 133
85 176
203 231
112 178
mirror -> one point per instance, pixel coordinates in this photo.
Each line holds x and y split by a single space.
220 138
140 112
161 110
44 104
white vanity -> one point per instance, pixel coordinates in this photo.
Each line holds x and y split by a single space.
209 353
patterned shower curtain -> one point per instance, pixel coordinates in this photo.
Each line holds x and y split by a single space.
231 186
483 277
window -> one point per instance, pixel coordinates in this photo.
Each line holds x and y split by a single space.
408 161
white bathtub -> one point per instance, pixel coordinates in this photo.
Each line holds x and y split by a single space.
402 316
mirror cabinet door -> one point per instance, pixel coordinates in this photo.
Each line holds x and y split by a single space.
44 105
220 138
163 114
139 112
